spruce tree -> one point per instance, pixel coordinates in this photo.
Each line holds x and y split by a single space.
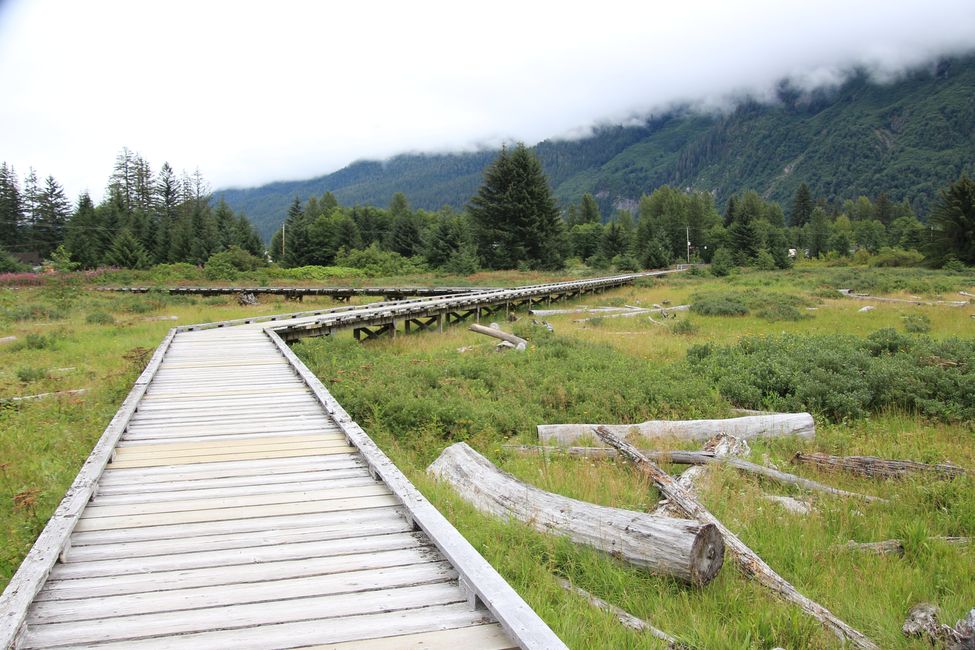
743 237
589 210
127 252
11 208
802 207
516 218
53 211
83 239
953 224
817 238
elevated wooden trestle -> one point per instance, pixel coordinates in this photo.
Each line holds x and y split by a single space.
342 294
233 503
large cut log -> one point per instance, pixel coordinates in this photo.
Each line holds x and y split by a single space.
876 467
752 426
700 458
862 296
748 561
623 616
686 550
580 310
517 341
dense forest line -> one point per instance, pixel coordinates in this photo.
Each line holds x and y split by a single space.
907 139
513 221
145 218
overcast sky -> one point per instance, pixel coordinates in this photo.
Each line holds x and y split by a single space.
251 92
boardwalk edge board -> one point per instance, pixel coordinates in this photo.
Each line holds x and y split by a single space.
39 562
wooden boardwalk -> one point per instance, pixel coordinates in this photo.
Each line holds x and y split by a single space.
233 503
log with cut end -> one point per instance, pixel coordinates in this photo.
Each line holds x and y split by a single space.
750 564
517 341
876 467
773 425
687 550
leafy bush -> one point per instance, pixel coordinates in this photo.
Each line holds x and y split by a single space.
29 374
40 341
764 261
722 263
175 272
684 326
374 261
917 324
317 273
34 311
99 318
894 257
9 265
841 377
225 265
718 304
626 263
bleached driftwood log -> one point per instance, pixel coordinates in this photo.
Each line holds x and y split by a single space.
637 312
861 296
748 561
687 550
60 393
701 458
751 426
579 310
623 616
519 343
876 467
896 546
720 447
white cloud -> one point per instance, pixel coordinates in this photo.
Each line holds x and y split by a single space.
253 91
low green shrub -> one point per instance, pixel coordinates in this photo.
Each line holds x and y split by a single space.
718 304
30 374
895 257
768 305
35 341
684 326
917 323
840 376
374 261
99 318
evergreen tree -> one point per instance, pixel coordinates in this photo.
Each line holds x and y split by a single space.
731 209
743 236
953 224
614 241
817 239
585 240
11 209
30 212
166 201
589 210
83 239
802 207
127 252
516 218
883 209
328 202
53 210
297 243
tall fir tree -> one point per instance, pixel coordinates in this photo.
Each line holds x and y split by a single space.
589 210
517 221
53 211
953 224
11 208
83 235
127 252
802 207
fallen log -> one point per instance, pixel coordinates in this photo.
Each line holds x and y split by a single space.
876 467
720 446
861 296
750 564
701 458
896 546
60 393
751 426
519 343
687 550
637 312
624 617
580 310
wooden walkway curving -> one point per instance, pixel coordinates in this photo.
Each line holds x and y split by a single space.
233 503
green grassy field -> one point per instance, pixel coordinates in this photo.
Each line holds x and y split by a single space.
417 394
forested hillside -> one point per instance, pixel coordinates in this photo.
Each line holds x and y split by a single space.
905 139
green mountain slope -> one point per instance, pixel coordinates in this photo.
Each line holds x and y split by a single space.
906 138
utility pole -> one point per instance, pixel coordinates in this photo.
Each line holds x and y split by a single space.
688 231
282 239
